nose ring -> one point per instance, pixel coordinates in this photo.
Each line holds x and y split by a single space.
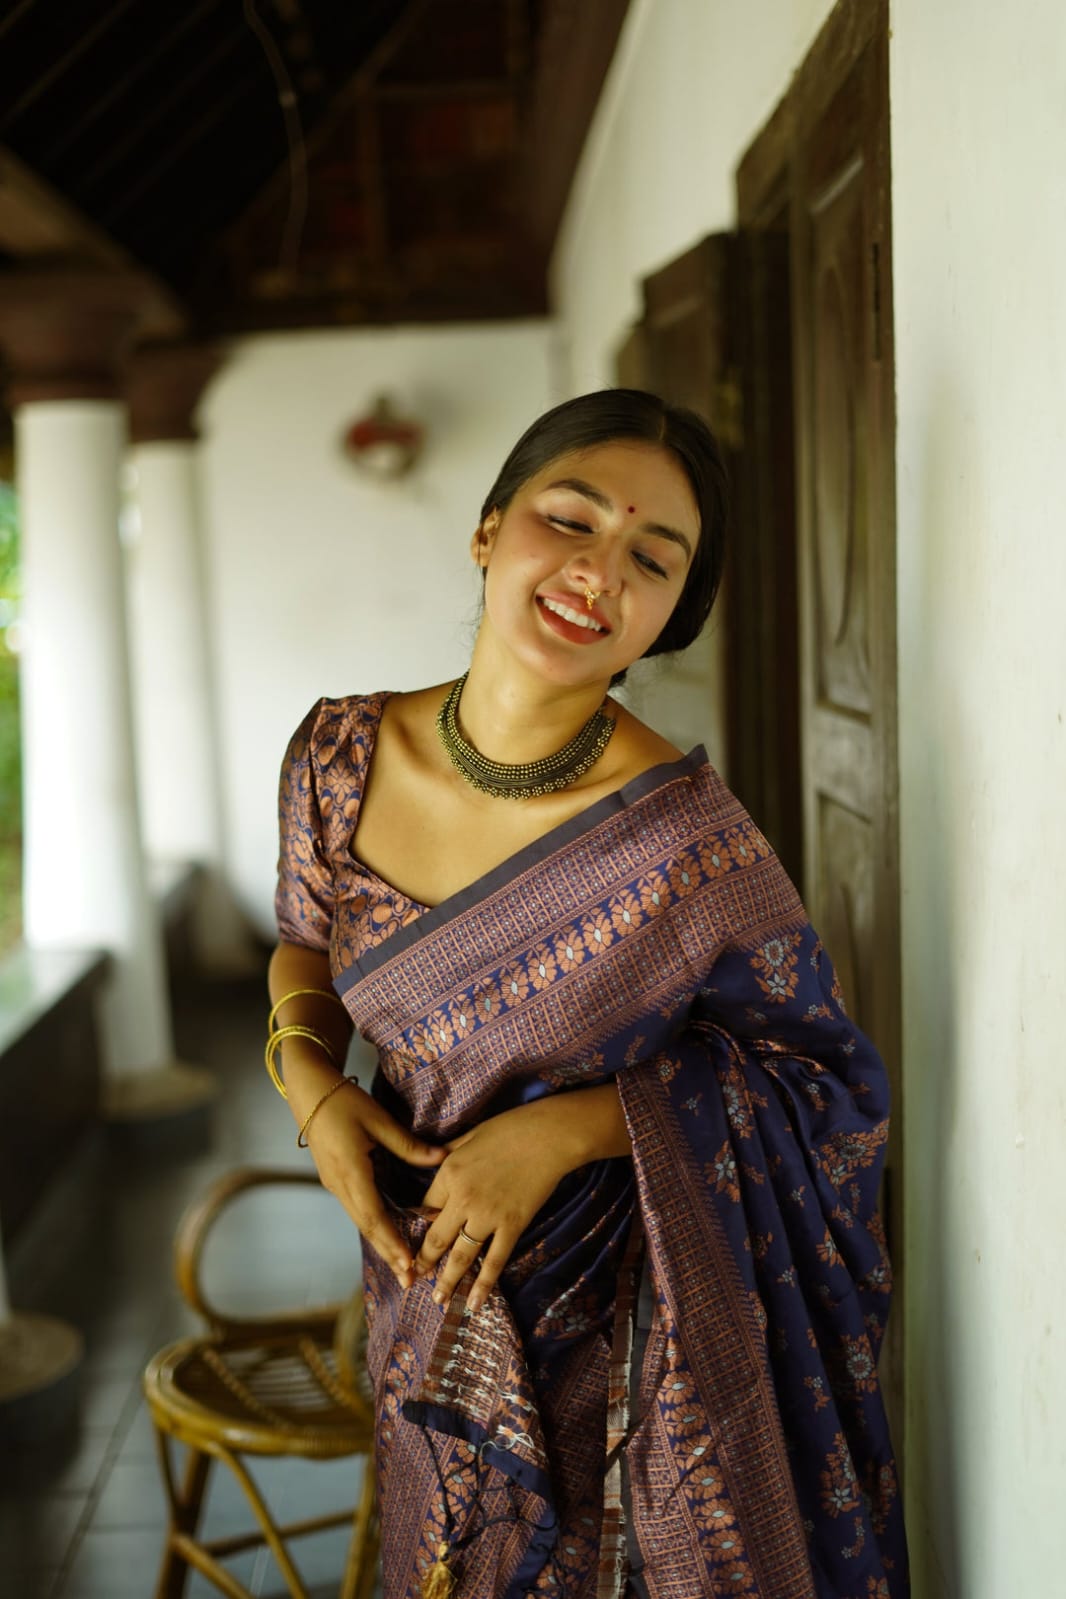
591 598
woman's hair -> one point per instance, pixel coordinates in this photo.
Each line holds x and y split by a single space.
606 417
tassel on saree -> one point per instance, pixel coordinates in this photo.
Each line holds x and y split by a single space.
438 1582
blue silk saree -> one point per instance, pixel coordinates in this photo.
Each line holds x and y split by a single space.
738 1443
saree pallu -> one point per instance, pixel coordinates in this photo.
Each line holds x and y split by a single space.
654 941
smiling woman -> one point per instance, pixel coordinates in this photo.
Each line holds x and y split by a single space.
616 1176
681 439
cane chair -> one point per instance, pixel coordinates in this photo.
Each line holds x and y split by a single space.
293 1384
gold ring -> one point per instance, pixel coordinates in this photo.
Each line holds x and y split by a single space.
475 1243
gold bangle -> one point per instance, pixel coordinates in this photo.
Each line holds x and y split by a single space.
326 993
293 1030
301 1142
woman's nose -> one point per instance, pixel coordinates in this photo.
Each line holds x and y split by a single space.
597 567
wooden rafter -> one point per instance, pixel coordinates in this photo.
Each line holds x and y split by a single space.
134 137
341 107
76 127
36 224
62 64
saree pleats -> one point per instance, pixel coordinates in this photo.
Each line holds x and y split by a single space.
654 941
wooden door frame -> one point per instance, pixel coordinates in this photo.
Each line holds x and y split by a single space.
766 186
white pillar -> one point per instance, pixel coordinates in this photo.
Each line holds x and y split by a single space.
85 879
64 332
175 770
173 704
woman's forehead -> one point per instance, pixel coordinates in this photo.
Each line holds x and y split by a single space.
625 470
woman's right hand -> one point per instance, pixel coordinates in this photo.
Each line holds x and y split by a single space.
341 1138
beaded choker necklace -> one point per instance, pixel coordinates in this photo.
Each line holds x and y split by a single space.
531 778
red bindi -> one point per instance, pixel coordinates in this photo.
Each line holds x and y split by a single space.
632 508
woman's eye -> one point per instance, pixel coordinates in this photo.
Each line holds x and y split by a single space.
576 527
650 565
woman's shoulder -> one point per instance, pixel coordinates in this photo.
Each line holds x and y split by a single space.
335 719
639 751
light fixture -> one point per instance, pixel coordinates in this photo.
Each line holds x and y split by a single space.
383 444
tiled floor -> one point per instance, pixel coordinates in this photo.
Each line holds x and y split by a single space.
83 1519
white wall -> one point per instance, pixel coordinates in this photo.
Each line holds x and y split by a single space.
979 203
320 581
691 83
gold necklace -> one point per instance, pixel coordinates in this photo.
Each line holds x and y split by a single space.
529 778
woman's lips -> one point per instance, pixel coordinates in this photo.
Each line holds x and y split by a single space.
575 632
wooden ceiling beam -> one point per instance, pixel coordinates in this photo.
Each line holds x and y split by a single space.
134 137
516 25
372 181
16 14
577 43
446 89
124 81
62 63
194 132
36 224
342 105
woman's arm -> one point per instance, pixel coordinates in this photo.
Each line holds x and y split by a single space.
348 1126
305 1068
585 1123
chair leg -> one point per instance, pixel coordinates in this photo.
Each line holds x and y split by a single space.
361 1564
271 1534
184 1505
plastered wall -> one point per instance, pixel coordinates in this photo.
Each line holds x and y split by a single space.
979 205
321 581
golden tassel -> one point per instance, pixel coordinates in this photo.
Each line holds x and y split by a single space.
438 1582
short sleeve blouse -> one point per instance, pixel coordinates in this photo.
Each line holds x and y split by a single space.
326 899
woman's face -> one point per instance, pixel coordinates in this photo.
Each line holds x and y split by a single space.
618 520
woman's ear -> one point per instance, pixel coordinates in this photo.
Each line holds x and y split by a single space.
484 534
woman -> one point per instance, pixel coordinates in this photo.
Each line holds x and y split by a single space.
616 1180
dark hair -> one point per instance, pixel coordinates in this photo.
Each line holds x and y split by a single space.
612 414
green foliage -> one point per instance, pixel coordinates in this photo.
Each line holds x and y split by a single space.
9 540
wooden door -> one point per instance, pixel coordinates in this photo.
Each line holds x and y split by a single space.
826 151
714 336
685 349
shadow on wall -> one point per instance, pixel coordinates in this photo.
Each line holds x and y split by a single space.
940 758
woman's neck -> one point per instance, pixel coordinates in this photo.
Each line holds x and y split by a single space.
512 716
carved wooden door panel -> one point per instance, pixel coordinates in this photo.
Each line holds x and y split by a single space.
842 341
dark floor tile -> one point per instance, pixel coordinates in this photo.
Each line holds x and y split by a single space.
246 1567
35 1534
106 1402
137 1440
132 1496
120 1563
38 1584
318 1558
66 1464
108 1356
317 1487
228 1507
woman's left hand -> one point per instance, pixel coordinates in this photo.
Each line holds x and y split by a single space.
494 1180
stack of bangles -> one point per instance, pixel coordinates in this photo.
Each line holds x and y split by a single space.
277 1035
